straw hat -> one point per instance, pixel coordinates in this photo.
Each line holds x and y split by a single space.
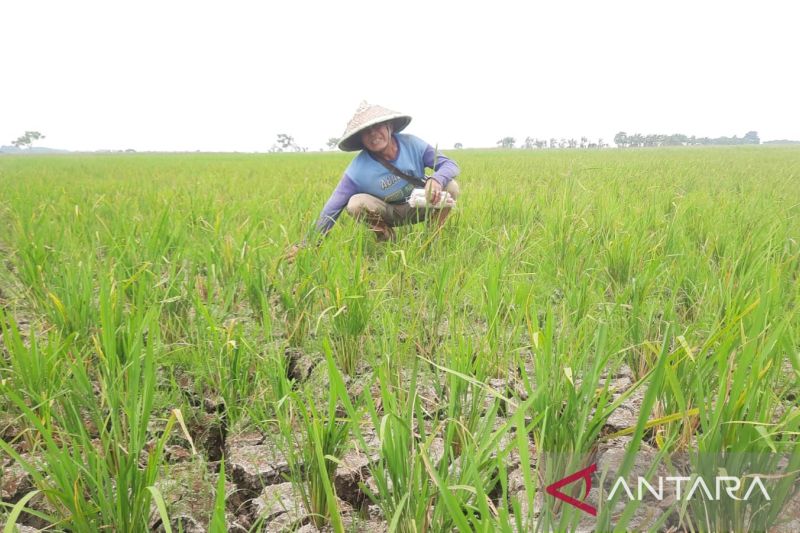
366 116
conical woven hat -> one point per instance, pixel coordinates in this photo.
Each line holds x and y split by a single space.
366 116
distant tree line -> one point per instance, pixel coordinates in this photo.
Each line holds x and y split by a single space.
782 141
532 143
623 140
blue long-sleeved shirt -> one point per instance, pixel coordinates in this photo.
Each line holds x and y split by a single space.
366 175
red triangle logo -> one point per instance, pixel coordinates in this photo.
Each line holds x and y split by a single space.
586 475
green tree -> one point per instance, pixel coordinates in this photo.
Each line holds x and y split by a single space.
26 140
506 142
637 140
751 137
621 139
285 141
458 146
332 142
677 139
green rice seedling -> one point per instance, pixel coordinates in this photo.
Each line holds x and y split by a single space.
467 470
564 446
442 295
391 341
655 379
476 472
446 283
640 317
494 300
297 292
160 238
419 489
350 319
70 299
161 507
452 512
314 453
97 448
465 400
401 486
34 250
214 290
35 370
171 291
519 520
329 438
218 524
621 258
228 358
522 291
258 283
566 227
271 407
741 430
126 375
505 297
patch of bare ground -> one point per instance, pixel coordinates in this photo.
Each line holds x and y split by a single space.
300 364
208 431
189 491
255 462
16 482
789 520
259 470
627 413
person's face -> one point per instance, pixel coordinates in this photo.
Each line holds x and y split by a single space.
376 138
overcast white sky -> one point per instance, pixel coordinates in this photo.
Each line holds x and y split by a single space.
175 75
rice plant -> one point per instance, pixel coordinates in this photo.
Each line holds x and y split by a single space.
573 298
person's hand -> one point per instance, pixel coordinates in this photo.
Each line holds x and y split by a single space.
433 192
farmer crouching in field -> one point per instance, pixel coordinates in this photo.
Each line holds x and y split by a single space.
377 185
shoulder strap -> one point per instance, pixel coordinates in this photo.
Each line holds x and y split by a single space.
391 168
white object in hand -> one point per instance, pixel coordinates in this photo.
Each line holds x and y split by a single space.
417 199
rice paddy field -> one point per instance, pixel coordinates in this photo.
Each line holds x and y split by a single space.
164 368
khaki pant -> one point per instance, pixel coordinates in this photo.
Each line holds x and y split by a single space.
365 205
